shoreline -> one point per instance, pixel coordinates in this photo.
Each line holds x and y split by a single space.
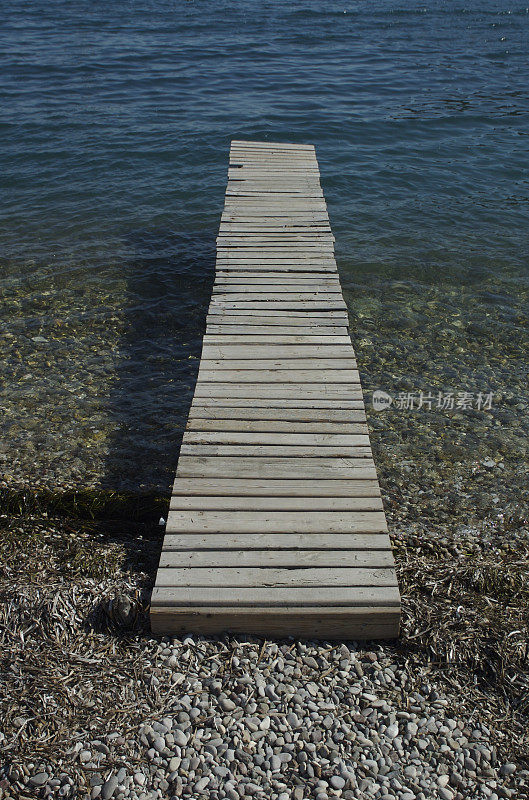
82 674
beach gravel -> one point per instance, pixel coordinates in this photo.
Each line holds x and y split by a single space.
347 737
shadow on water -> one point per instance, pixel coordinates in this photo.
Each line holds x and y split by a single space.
169 278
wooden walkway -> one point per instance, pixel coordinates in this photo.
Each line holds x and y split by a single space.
276 525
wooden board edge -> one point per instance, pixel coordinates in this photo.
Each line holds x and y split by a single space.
312 623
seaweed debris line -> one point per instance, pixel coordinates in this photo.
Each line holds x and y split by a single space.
276 524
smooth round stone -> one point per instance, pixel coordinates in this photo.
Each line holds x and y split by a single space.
39 779
122 774
180 738
109 787
337 782
508 769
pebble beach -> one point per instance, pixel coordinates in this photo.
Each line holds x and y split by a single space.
116 125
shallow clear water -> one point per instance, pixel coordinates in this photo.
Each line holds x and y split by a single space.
115 122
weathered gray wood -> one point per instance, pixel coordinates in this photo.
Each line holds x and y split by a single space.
287 333
274 467
269 356
273 542
276 523
285 403
279 411
277 438
348 487
251 282
315 622
279 356
286 322
244 144
260 305
284 450
276 426
280 316
198 521
277 596
286 376
276 289
238 577
263 218
247 503
292 337
277 558
310 391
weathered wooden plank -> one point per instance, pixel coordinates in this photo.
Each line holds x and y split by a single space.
274 577
275 426
240 282
301 414
314 391
231 332
293 337
244 144
276 596
226 306
319 402
292 299
274 542
276 558
331 622
250 503
348 487
242 289
281 451
285 317
277 375
269 356
306 267
244 215
278 264
322 468
276 438
285 320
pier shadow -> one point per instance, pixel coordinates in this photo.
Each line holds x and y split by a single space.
169 277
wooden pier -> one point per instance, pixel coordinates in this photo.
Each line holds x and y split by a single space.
276 524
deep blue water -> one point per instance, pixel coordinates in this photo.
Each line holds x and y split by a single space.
115 123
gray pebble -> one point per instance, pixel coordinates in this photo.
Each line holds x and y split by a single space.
109 787
180 738
39 779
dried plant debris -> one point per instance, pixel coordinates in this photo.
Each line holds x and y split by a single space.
93 706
